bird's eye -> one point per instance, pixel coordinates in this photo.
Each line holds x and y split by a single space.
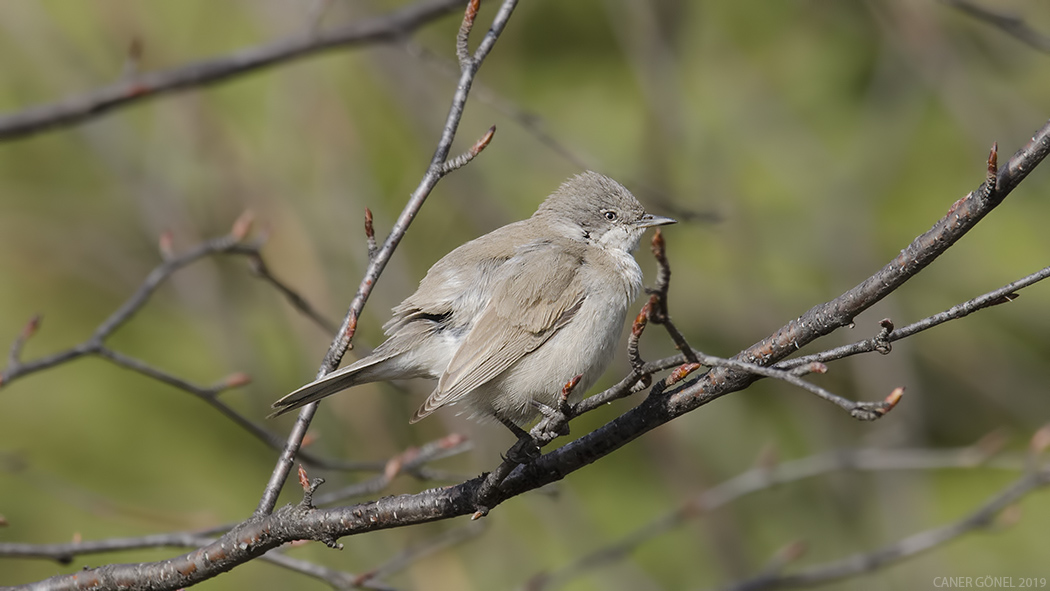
610 215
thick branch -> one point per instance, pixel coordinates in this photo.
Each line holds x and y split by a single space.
265 531
262 533
825 318
819 321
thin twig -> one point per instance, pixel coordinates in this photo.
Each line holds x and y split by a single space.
14 357
1010 24
265 531
1003 295
67 553
434 173
819 321
463 36
528 121
767 477
862 411
659 296
94 103
404 463
824 319
336 579
370 235
534 124
221 245
207 394
637 328
691 360
95 345
464 158
417 552
811 363
635 382
411 461
210 396
262 270
982 518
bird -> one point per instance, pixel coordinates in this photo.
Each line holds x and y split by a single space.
504 321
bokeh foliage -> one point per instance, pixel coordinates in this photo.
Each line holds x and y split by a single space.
802 143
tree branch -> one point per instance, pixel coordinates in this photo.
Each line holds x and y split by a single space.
763 478
982 518
437 169
268 529
232 244
93 104
824 319
819 321
1003 295
1010 24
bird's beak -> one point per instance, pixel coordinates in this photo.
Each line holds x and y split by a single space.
648 221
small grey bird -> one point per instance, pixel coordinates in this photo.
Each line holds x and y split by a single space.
504 321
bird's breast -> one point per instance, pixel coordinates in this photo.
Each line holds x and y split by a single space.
615 270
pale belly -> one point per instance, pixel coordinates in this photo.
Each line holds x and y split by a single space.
583 347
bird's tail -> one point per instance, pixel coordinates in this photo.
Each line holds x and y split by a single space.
336 381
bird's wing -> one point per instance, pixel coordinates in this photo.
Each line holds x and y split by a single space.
537 293
455 289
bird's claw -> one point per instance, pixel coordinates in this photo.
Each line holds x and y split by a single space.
554 424
524 450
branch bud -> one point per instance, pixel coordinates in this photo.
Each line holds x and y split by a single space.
242 225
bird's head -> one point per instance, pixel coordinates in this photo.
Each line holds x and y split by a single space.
596 209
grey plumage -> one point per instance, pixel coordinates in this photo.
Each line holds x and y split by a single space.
505 320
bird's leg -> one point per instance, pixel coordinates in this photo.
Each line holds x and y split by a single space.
555 421
526 449
523 451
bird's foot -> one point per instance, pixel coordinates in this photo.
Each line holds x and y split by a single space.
554 424
526 449
555 421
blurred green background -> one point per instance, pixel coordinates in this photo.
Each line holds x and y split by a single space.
802 143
